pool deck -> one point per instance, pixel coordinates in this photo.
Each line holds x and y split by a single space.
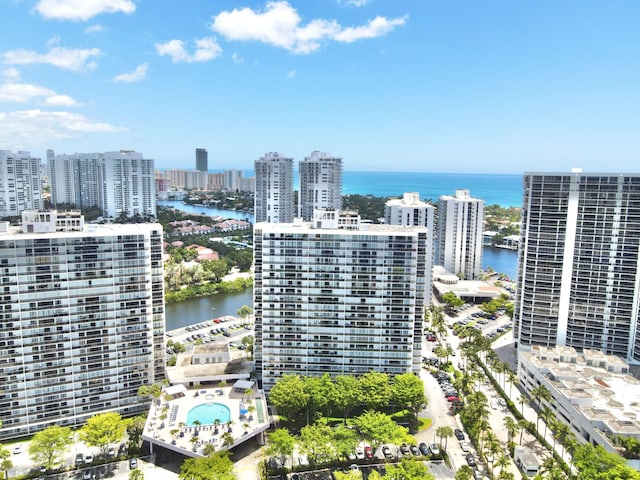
166 423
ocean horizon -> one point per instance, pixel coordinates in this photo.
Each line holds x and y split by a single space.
494 188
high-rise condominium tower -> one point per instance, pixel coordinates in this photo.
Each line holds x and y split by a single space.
274 189
82 322
320 184
459 239
202 160
116 182
410 211
337 297
20 185
579 263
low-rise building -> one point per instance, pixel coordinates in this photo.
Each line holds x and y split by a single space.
592 392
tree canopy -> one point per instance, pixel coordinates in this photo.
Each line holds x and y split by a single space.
216 467
47 447
103 430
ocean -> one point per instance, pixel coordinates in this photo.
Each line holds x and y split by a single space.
503 190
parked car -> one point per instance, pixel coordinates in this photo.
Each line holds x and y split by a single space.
434 449
88 458
465 447
359 453
471 461
414 450
459 434
424 448
133 463
404 449
368 453
87 474
386 451
79 459
17 450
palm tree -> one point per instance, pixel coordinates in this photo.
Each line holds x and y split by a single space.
216 422
502 462
511 426
227 440
492 445
248 393
551 470
512 380
465 472
540 394
522 426
445 433
547 416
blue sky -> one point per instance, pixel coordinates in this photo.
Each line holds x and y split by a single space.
398 85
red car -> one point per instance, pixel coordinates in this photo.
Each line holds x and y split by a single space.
217 320
431 338
453 398
368 452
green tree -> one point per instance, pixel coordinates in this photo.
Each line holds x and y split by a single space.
136 474
465 472
511 426
375 391
209 449
346 394
451 302
379 428
316 442
216 467
348 475
281 443
595 463
288 395
5 461
540 394
344 440
135 427
103 430
444 432
244 311
407 469
407 391
48 446
320 392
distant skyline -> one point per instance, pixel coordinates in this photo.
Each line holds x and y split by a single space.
413 85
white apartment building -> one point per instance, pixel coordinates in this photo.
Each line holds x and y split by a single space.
339 297
20 184
81 320
117 182
413 212
274 189
578 279
320 184
459 234
591 392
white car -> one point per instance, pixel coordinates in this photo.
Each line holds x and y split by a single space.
465 447
494 404
434 449
17 450
359 453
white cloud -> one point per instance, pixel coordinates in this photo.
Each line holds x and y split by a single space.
11 74
60 101
206 49
97 28
375 28
82 10
75 59
279 24
291 74
13 92
29 127
138 74
354 3
237 58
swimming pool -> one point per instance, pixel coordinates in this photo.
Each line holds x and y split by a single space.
207 413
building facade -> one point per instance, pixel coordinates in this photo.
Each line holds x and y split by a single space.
578 279
320 184
334 296
459 234
20 184
410 211
119 183
82 320
202 160
274 189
